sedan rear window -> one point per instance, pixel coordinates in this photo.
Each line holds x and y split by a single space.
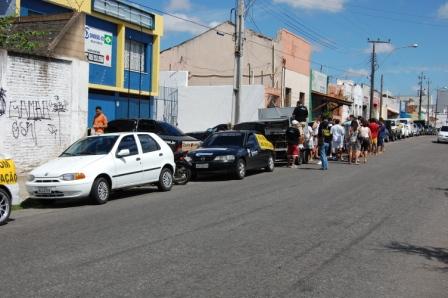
444 128
101 145
224 140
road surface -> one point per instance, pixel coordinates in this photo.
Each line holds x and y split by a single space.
375 230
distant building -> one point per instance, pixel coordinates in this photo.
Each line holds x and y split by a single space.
281 64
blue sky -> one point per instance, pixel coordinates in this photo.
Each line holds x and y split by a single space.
346 25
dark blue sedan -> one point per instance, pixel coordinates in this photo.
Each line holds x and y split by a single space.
233 152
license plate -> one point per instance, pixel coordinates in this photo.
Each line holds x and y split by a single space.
202 166
44 190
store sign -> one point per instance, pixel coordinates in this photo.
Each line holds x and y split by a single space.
318 82
98 46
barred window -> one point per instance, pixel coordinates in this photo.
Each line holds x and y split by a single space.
135 54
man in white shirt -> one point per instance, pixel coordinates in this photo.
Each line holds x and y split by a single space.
338 132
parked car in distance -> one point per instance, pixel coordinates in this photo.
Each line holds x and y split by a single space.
394 131
233 152
96 165
442 135
173 136
9 189
202 135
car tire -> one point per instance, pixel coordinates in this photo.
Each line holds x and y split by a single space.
5 206
240 170
100 192
166 180
271 164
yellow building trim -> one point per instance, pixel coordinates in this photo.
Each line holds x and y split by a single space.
121 39
18 7
122 90
155 64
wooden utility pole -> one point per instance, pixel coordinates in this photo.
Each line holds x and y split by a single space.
239 40
427 106
381 98
421 78
372 73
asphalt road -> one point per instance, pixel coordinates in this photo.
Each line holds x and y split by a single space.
375 230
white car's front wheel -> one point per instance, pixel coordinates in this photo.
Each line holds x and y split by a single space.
100 191
5 206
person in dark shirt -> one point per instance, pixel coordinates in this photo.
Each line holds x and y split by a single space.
324 138
300 112
293 140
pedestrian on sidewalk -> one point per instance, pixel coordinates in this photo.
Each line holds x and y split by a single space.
337 144
99 121
366 135
315 128
293 140
324 143
383 132
374 130
307 142
354 143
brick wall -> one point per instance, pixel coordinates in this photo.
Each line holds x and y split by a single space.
43 107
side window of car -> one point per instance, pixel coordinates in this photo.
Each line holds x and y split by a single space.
147 126
128 142
148 143
252 142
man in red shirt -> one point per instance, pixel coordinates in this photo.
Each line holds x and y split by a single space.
374 129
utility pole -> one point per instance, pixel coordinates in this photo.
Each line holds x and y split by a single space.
372 74
427 107
239 40
421 78
381 98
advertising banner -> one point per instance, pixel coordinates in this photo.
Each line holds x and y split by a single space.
98 46
318 82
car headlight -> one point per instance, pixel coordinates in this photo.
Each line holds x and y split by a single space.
225 158
30 178
72 176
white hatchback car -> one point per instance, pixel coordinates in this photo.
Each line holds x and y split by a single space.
95 165
442 135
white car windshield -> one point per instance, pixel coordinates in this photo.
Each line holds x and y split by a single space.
91 146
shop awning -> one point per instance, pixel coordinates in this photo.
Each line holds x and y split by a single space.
328 99
392 111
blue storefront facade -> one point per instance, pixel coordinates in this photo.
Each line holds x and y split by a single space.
122 47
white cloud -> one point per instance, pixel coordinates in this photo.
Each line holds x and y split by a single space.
381 48
442 12
176 24
362 72
178 5
325 5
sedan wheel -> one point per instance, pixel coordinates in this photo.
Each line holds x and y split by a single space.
100 191
5 206
165 180
270 166
240 169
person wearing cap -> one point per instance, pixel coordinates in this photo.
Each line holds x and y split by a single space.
293 140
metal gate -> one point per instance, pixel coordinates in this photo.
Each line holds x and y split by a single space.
166 105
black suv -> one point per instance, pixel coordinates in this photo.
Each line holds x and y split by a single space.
174 137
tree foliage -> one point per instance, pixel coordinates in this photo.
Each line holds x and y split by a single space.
17 40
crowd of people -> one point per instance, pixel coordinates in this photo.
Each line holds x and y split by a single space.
329 139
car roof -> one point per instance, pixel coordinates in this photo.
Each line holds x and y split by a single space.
121 133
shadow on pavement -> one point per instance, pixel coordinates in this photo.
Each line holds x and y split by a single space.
428 252
79 202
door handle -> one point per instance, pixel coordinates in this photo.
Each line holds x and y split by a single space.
137 159
160 154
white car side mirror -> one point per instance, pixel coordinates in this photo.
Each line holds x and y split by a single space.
123 153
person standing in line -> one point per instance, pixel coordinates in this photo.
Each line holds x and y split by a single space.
315 128
300 113
374 130
347 124
307 141
293 140
337 144
99 121
354 143
366 135
324 143
383 132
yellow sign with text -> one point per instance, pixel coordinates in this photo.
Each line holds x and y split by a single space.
8 173
264 143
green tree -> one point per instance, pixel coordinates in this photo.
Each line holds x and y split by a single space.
17 40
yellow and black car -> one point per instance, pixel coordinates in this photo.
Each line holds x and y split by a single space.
233 152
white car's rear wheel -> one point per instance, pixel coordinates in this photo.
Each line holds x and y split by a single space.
165 180
5 206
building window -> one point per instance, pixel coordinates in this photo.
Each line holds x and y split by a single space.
302 98
288 93
135 54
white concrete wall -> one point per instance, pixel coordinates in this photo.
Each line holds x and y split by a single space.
298 83
45 107
173 79
202 107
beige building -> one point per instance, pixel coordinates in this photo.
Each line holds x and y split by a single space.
281 65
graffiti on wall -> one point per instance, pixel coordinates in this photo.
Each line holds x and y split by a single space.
25 115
